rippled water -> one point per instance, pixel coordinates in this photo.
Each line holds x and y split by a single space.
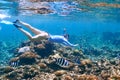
83 19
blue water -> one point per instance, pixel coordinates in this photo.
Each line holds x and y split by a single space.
88 21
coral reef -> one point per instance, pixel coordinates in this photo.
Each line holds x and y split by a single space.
105 5
98 4
44 11
28 58
45 7
32 65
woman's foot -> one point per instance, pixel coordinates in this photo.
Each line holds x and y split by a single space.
16 21
17 26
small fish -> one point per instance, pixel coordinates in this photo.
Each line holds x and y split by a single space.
14 63
62 62
75 60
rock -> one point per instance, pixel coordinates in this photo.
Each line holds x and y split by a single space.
6 69
11 76
105 75
28 58
55 78
87 77
24 49
40 46
86 62
45 49
76 69
14 59
68 77
116 77
78 53
42 65
60 72
57 55
29 72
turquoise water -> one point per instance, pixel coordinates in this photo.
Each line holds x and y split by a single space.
89 22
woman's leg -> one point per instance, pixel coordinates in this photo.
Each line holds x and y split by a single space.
34 30
26 33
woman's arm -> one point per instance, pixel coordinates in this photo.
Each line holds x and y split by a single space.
67 43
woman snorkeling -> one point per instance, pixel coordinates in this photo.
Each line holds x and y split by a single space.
41 35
